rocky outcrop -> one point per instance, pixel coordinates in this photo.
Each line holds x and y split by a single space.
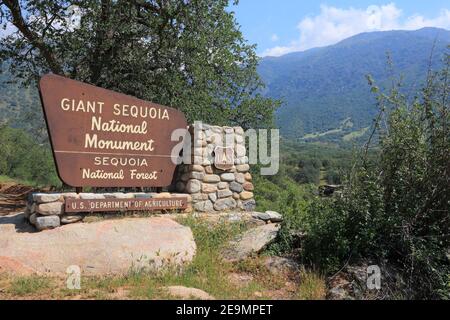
100 248
357 282
250 242
277 265
268 216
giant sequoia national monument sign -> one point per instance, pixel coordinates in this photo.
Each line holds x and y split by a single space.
101 138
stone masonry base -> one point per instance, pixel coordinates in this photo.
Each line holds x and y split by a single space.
46 210
213 189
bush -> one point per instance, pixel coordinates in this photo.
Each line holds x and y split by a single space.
24 159
394 210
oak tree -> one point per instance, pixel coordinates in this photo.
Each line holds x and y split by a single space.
187 54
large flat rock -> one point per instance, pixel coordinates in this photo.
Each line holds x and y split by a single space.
100 248
252 241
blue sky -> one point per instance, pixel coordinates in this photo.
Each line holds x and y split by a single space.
283 26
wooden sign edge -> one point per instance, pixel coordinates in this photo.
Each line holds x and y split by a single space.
55 76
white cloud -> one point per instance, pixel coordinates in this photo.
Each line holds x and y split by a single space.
274 37
335 24
417 21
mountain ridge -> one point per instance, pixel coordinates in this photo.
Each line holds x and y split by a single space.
325 91
323 86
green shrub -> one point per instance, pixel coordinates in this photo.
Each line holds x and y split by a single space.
29 285
23 158
394 210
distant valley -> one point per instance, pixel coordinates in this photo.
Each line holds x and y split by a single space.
325 92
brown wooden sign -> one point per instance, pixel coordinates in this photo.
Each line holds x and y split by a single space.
102 138
224 158
112 205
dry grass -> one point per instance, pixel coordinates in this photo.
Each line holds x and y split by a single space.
312 286
207 272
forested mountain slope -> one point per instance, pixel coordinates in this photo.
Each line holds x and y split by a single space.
325 91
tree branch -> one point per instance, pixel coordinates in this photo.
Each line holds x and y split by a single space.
146 5
35 40
100 43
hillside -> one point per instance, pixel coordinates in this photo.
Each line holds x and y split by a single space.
20 106
325 92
